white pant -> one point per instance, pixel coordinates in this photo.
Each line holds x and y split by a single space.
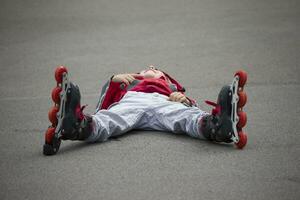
147 111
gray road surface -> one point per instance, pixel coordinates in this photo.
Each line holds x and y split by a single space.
202 43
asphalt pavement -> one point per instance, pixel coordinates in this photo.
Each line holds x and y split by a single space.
201 43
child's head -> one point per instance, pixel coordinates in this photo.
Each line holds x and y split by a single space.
153 72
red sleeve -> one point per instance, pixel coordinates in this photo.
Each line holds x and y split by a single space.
113 94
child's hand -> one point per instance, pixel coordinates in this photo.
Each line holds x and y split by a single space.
179 97
126 78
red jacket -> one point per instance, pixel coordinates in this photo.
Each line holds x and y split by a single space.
113 92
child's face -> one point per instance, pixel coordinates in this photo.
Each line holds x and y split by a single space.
152 72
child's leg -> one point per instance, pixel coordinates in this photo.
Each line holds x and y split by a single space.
146 111
164 115
178 118
120 118
107 123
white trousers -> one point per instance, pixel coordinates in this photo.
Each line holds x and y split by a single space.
146 111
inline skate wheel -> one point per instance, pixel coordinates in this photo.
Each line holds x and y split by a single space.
49 135
242 140
51 149
59 73
242 99
52 115
242 77
48 150
242 119
56 94
52 143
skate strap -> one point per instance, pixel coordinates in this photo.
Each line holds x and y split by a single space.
83 107
211 103
215 110
79 111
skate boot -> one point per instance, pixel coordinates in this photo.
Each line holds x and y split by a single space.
66 116
228 118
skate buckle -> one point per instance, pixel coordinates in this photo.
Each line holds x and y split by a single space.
79 112
215 110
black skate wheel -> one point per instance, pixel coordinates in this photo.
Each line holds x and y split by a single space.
52 143
49 150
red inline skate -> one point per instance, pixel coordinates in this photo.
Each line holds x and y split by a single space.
67 119
227 119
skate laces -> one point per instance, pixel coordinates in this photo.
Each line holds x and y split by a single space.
79 111
217 108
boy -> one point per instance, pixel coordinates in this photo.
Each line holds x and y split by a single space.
148 100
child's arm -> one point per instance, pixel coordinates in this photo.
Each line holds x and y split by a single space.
124 78
112 91
180 97
107 95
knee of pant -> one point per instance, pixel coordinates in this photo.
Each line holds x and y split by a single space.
179 126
